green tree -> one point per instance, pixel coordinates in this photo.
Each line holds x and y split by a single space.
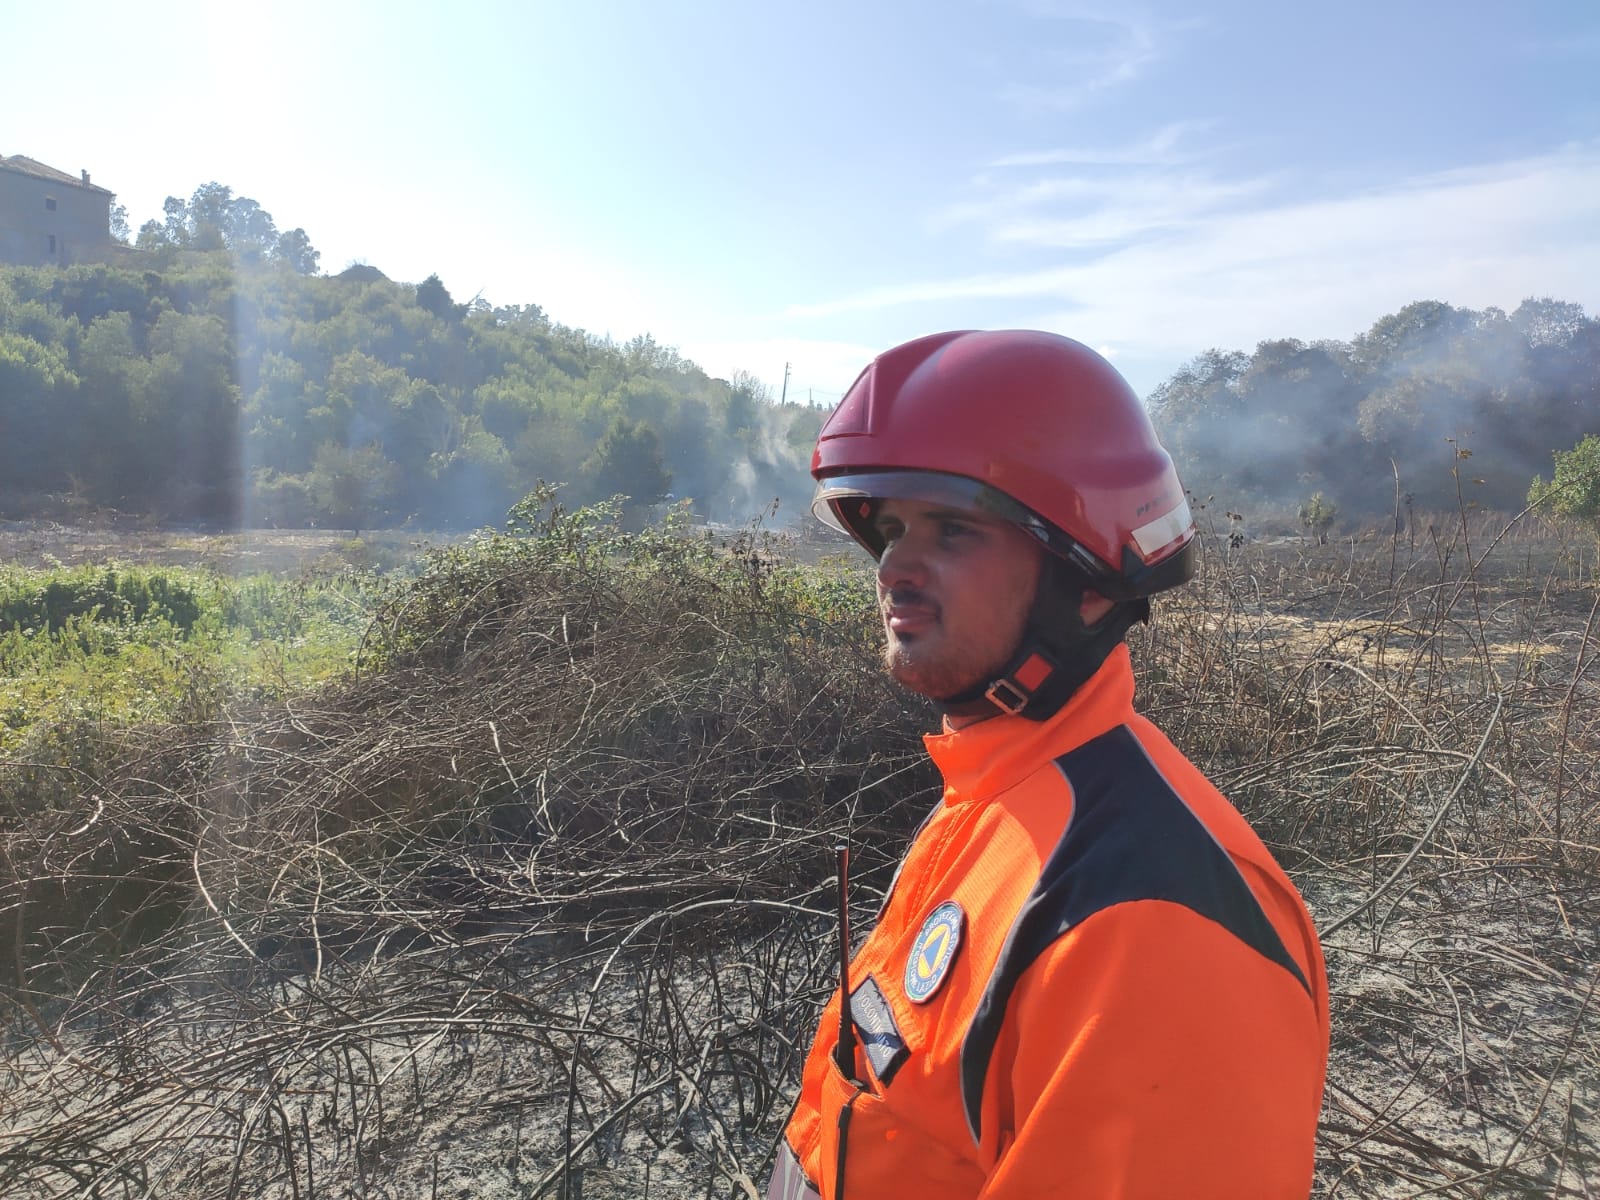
1574 489
250 231
1420 333
196 415
295 251
1317 515
628 462
1200 413
746 394
351 488
38 440
275 423
109 362
550 446
507 404
1547 322
213 218
434 297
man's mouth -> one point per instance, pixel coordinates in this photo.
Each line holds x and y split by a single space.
908 620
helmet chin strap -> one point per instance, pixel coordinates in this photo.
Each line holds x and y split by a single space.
1056 654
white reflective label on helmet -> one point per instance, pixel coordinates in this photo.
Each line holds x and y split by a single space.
1163 531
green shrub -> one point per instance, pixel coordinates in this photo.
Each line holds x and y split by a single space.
105 648
1574 487
1317 515
118 596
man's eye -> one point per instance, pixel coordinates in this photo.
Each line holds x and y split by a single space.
952 529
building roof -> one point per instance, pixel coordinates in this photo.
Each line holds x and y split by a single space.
24 165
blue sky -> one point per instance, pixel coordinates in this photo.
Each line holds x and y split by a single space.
759 184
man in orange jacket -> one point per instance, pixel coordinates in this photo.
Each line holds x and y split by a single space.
1089 979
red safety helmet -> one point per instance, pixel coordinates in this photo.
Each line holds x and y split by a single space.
1032 426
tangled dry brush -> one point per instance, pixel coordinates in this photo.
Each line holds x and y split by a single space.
538 903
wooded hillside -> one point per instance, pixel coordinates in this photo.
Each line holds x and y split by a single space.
210 374
1419 394
207 375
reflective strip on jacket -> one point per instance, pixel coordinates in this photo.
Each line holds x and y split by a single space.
1090 981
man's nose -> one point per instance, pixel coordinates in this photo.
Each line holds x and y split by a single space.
901 565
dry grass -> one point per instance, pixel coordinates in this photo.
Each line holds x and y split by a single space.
1417 735
541 908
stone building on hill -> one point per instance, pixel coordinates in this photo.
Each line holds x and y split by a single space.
50 218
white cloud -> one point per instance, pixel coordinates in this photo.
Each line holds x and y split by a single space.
1231 270
1131 200
1116 210
1095 197
1160 148
1329 268
1109 48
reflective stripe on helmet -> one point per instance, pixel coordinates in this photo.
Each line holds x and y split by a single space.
1164 530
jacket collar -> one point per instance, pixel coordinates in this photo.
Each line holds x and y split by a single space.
983 759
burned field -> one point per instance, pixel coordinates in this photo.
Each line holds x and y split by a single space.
537 903
1426 764
48 543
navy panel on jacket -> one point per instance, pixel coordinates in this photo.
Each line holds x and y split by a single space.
1131 837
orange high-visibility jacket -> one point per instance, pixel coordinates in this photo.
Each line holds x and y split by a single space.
1090 980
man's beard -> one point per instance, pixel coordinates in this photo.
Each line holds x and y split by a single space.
934 674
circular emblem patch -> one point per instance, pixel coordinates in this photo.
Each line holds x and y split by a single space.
934 951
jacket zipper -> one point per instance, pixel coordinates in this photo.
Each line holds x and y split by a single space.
844 1137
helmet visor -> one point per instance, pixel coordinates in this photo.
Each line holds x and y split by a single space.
850 502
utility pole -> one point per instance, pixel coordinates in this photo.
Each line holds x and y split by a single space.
785 395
